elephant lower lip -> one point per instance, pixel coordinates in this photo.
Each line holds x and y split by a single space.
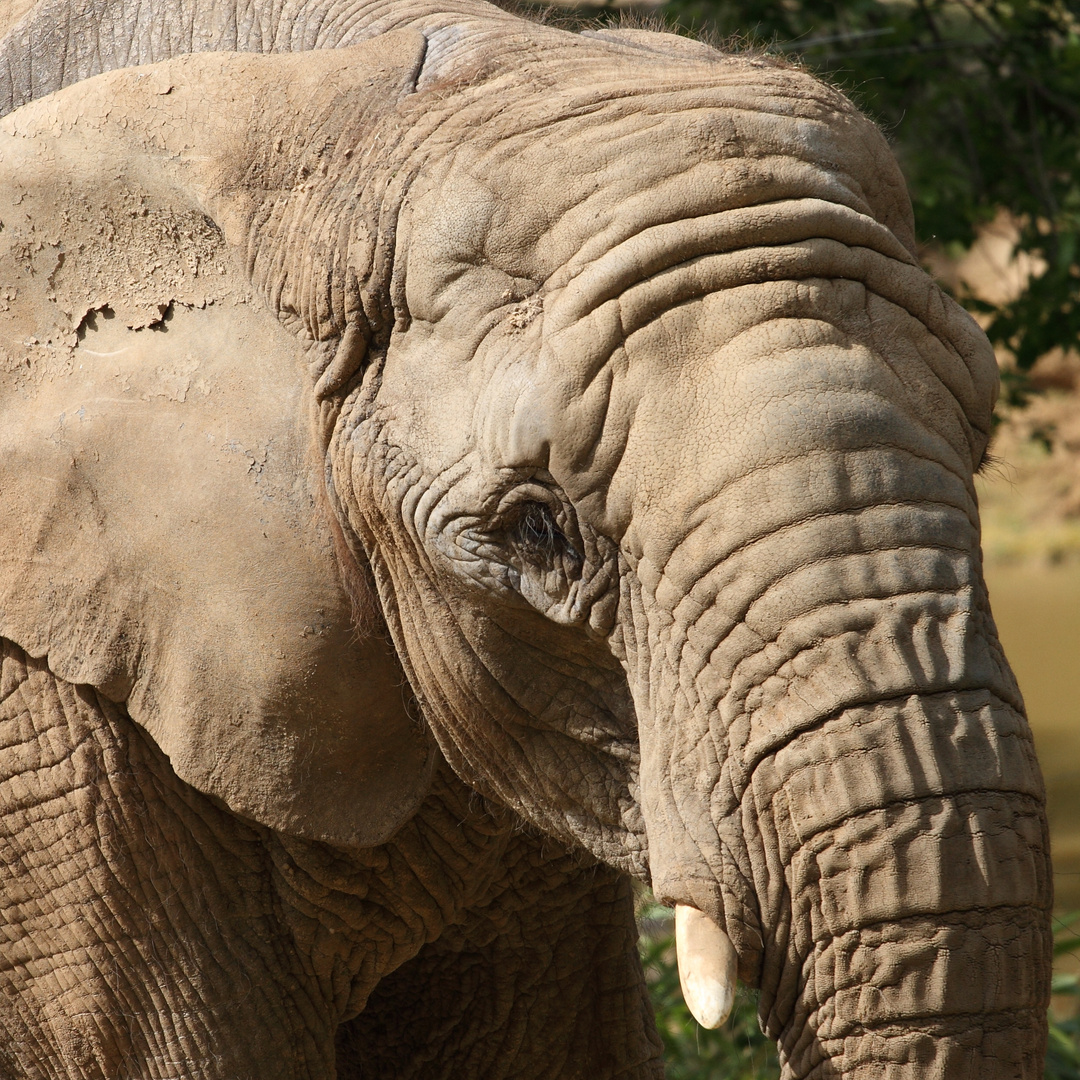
707 965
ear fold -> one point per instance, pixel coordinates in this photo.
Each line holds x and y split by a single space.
292 156
164 534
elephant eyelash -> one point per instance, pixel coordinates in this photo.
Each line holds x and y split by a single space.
537 533
538 529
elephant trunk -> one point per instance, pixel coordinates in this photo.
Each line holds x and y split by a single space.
907 902
885 882
848 789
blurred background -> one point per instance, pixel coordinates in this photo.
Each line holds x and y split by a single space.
981 102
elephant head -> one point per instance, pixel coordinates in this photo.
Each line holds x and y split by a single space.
615 389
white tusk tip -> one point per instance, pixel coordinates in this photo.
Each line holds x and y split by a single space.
707 965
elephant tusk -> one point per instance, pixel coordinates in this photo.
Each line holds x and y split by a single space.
707 964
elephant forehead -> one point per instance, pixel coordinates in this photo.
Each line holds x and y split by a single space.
543 237
542 188
720 387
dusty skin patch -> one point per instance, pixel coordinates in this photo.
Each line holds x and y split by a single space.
523 315
66 259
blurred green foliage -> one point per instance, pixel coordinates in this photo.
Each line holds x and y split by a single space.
739 1051
1063 1049
981 100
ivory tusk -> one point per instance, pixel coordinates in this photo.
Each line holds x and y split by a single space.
707 965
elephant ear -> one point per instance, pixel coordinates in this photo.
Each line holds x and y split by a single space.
166 535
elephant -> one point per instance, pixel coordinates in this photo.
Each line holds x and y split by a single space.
456 469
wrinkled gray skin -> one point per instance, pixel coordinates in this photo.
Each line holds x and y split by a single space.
659 448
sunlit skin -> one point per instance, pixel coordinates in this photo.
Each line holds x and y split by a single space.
608 411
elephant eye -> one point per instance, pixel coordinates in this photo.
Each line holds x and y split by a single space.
537 538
